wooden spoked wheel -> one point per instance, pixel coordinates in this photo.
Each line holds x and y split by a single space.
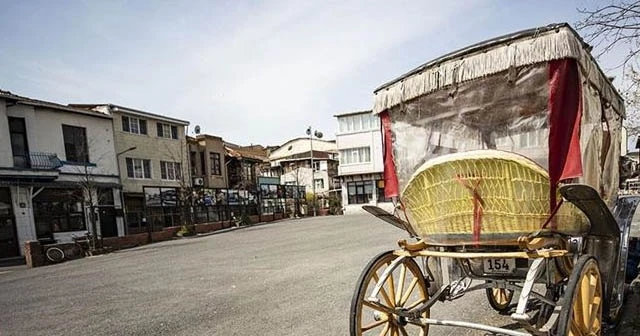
499 298
404 289
581 314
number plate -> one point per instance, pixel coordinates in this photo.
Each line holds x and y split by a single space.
499 265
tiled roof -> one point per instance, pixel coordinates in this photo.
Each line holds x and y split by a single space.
254 152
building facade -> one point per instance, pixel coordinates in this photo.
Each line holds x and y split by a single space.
293 163
359 142
207 160
153 161
58 173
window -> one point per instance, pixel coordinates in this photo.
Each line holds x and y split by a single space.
167 131
75 144
358 122
215 163
360 192
316 165
170 170
134 125
19 147
58 210
355 155
138 168
249 172
533 139
318 183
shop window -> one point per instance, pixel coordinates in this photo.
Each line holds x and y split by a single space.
360 192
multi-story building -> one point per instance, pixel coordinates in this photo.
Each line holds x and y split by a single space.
292 162
207 160
226 174
57 165
153 160
359 142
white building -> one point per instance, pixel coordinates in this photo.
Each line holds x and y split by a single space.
359 142
56 163
292 162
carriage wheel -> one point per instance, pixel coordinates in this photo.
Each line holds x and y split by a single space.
499 298
405 288
583 314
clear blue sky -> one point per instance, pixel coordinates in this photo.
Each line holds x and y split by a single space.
249 71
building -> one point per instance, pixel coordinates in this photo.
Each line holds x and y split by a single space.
57 165
359 142
207 160
292 162
244 165
151 152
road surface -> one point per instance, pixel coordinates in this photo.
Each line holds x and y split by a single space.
289 278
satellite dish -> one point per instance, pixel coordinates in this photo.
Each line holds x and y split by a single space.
197 129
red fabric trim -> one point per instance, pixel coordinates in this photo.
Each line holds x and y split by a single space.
565 113
391 188
478 205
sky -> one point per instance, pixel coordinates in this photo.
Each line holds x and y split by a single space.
253 72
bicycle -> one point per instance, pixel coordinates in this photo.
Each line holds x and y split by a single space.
82 244
54 254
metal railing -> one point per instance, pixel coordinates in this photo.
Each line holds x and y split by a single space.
41 160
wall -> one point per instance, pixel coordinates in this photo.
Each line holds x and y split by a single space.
5 141
304 179
152 147
372 139
44 134
25 229
215 145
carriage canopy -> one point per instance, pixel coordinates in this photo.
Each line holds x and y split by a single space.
537 93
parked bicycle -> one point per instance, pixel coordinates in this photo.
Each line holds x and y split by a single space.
82 244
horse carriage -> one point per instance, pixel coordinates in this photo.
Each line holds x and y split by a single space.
503 160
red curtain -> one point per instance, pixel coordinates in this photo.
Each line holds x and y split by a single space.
391 188
565 112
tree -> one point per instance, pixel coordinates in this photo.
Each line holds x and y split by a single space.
185 193
618 25
92 194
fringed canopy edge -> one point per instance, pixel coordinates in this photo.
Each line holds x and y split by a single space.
512 51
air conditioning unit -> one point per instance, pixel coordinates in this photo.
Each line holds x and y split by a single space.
198 181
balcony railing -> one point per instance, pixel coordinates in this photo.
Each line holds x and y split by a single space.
37 160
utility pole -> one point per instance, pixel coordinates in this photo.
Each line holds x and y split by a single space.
318 135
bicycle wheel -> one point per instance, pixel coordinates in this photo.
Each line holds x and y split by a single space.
55 254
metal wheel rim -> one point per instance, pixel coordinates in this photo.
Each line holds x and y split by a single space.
582 316
499 298
407 293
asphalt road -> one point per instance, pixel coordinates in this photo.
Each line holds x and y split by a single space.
289 278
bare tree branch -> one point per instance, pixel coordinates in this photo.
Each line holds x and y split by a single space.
617 25
613 25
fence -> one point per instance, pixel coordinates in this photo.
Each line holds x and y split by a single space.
158 218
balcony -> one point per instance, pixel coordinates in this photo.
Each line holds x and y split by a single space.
37 160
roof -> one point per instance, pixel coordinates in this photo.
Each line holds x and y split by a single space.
55 106
304 138
253 152
353 113
128 110
526 47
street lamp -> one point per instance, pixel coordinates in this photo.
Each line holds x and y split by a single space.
124 210
126 150
318 135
